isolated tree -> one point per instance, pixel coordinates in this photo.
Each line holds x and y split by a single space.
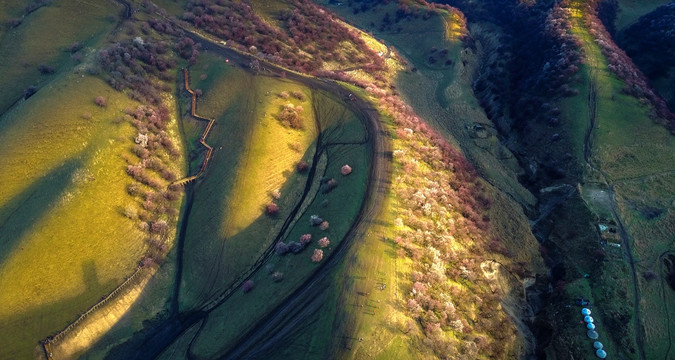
305 239
317 255
272 209
101 101
346 170
323 242
302 166
324 225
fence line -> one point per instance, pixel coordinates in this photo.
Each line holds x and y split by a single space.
47 344
202 140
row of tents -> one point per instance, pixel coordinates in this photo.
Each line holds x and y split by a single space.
590 325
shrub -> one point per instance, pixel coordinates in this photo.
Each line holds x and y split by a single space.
280 248
298 95
650 275
247 286
328 186
45 69
324 225
101 101
284 95
272 209
302 166
290 116
314 220
276 194
323 242
30 91
75 47
305 239
346 170
317 255
277 276
159 227
295 247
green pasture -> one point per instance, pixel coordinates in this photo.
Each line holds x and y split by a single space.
44 37
253 156
206 275
624 138
631 10
65 242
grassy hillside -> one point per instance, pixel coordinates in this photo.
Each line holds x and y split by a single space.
43 38
256 155
65 240
438 84
620 147
342 142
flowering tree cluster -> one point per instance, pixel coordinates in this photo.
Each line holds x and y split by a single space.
306 26
141 66
291 116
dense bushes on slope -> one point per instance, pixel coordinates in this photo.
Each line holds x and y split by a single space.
307 27
144 68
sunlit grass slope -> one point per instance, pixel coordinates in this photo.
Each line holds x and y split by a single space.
254 155
44 37
64 240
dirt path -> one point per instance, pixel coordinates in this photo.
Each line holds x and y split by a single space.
664 297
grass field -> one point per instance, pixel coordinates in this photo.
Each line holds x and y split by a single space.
266 160
44 38
254 153
65 242
631 10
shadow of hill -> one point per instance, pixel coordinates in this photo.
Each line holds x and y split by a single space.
18 215
22 332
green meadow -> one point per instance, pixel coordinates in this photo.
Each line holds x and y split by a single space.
44 38
65 242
